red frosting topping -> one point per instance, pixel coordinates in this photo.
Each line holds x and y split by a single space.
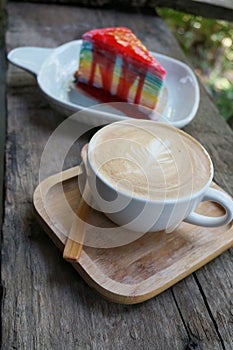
123 41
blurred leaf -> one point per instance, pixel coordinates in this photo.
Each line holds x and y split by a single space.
209 45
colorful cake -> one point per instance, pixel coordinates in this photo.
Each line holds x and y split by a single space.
115 60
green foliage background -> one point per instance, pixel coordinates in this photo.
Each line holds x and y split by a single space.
209 45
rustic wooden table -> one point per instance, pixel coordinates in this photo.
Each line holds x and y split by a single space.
45 303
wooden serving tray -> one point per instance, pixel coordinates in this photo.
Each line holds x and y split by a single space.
138 270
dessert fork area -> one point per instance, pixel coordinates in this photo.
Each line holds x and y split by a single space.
45 302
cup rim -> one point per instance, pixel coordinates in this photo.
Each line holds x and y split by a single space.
141 199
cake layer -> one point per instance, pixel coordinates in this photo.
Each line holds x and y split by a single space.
122 41
115 60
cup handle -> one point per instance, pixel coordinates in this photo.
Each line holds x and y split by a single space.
216 196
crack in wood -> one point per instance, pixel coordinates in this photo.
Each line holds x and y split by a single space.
209 310
192 340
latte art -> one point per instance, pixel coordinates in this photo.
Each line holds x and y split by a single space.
149 160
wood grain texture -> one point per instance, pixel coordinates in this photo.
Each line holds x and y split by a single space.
42 292
132 272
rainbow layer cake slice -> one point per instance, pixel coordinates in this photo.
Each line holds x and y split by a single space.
115 60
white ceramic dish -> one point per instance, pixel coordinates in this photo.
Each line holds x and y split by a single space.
55 68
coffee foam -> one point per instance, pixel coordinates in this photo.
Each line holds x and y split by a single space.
149 160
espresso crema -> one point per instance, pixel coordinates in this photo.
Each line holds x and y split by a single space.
149 160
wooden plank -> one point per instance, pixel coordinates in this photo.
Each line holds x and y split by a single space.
207 8
2 118
2 12
2 105
221 9
47 296
228 4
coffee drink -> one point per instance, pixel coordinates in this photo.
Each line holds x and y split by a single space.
150 160
149 176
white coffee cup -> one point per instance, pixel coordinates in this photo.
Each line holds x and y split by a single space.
149 176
